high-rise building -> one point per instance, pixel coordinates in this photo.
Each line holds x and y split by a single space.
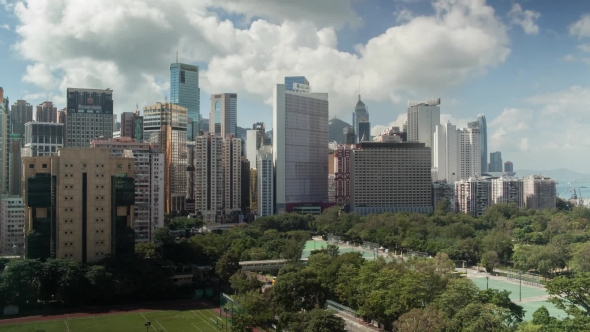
496 162
165 124
342 174
4 143
149 182
21 112
223 118
349 135
61 116
469 152
132 125
12 225
16 170
539 192
483 127
423 117
253 190
300 138
446 153
78 205
265 182
42 138
473 196
390 177
508 167
185 91
508 190
293 83
245 185
89 116
218 177
331 176
46 112
361 115
255 139
444 191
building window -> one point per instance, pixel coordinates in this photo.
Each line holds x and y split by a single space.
182 76
31 165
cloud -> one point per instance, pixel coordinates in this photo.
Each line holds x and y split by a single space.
403 15
584 48
525 18
399 122
127 45
5 27
581 28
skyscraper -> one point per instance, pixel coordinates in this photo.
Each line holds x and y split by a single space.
483 128
12 225
473 196
496 162
539 192
4 143
185 91
293 82
42 138
469 152
446 153
361 115
300 139
21 112
46 112
223 118
423 117
78 205
232 174
89 116
508 190
508 167
165 124
15 170
265 183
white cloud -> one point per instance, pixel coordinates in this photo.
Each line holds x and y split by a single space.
525 18
5 27
403 15
581 28
399 122
584 48
127 45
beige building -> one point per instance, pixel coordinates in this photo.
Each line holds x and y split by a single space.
232 174
69 210
390 177
473 196
508 190
223 117
539 192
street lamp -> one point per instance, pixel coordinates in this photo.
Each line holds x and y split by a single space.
147 326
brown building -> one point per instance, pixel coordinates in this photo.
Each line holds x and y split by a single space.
342 174
79 204
46 112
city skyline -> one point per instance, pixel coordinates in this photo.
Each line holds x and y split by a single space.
511 78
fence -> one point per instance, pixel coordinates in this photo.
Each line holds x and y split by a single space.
412 253
525 278
351 318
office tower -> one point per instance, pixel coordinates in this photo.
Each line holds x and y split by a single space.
508 190
300 137
508 167
4 143
185 91
78 205
539 192
423 117
495 162
190 130
190 197
331 176
46 112
253 191
296 83
21 112
132 125
43 138
12 225
61 116
208 183
149 182
483 127
349 135
245 185
446 153
342 174
15 169
444 191
232 173
361 115
473 196
89 116
265 182
390 177
469 152
165 125
223 118
255 139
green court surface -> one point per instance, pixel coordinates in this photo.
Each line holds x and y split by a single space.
202 320
532 298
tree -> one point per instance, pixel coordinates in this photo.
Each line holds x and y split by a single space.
182 223
443 264
571 294
320 320
489 260
102 286
458 294
478 317
21 282
296 290
428 319
243 283
162 236
227 266
502 300
242 323
145 250
581 259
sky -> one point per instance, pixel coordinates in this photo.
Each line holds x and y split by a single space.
524 64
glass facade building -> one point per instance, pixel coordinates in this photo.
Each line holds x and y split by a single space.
185 91
295 79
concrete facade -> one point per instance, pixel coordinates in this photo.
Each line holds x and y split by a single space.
473 196
265 182
223 117
508 190
423 117
540 192
12 225
89 115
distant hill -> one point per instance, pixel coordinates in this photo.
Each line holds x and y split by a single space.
335 130
560 174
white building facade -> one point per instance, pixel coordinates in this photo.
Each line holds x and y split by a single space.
300 138
232 174
469 152
423 117
12 225
508 190
265 174
473 196
446 153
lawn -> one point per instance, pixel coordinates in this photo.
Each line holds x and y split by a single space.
201 320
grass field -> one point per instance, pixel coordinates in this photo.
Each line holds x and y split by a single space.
200 320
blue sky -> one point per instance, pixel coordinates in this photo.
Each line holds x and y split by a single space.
524 64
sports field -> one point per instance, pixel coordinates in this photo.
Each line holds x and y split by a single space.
197 320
